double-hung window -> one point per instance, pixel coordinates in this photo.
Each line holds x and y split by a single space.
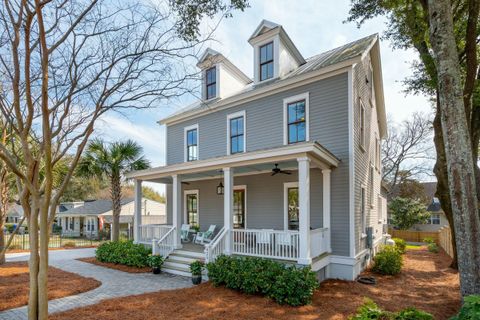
211 83
236 134
362 125
266 61
191 136
296 121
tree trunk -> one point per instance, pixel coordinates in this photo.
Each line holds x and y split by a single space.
2 245
43 265
33 264
440 170
458 147
116 193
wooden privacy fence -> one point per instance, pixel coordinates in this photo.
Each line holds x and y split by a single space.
445 240
414 236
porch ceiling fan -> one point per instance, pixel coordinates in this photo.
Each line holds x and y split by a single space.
278 170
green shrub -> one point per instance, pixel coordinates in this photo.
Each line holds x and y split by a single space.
413 314
155 261
428 240
470 309
196 268
123 252
369 310
388 261
432 247
400 244
285 284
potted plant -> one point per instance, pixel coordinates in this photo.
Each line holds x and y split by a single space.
155 262
196 269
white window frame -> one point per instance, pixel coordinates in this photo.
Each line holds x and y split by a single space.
372 185
185 214
363 122
185 153
286 186
303 96
276 57
243 187
363 211
233 116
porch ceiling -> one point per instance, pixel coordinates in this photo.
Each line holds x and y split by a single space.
247 162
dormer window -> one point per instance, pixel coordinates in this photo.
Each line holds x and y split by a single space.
266 61
211 83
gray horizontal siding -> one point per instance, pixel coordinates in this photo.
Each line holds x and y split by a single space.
265 200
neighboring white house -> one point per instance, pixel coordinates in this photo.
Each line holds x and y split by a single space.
96 215
15 214
283 166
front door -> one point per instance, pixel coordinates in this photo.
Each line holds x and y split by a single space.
239 209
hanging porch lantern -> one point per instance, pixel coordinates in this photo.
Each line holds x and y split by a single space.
220 189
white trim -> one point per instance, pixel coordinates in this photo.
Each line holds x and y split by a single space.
243 187
343 260
364 222
299 97
289 152
371 174
233 116
185 130
185 193
286 186
351 162
363 123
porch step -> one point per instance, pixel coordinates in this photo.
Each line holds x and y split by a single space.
178 262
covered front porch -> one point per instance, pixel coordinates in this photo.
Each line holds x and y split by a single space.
283 216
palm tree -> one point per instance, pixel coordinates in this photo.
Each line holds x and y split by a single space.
111 161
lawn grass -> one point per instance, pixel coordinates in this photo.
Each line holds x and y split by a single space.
414 246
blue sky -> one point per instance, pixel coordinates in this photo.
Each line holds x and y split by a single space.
314 27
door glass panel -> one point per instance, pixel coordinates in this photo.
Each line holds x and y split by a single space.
293 210
239 209
192 209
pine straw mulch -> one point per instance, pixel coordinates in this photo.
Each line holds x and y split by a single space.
426 282
14 284
120 267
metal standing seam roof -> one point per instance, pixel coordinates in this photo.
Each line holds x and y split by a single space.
319 61
96 207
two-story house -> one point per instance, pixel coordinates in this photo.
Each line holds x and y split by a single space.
283 166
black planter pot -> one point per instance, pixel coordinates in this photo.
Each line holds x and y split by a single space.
156 270
196 279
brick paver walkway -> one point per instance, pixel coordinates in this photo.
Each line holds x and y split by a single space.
114 284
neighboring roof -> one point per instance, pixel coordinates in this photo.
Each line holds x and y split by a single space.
95 207
318 62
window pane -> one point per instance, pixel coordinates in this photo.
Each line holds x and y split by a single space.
301 111
292 133
240 125
269 51
270 70
234 145
263 72
240 143
233 127
301 131
293 210
292 114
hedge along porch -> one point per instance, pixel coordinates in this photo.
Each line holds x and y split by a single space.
258 223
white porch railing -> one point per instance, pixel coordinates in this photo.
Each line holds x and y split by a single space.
264 243
217 246
149 232
318 241
166 244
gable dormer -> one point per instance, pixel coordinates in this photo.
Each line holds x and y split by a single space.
275 55
220 77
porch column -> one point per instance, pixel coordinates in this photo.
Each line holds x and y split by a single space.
177 209
326 206
137 218
304 209
228 207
